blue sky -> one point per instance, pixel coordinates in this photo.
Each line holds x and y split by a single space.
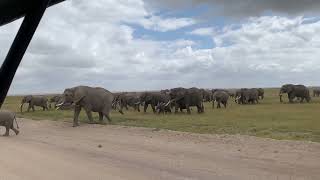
140 45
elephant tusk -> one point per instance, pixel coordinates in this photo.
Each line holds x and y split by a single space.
138 103
59 105
168 103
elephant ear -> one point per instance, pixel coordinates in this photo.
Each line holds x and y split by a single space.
289 89
79 94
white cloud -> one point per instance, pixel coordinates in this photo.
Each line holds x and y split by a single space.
169 24
203 32
77 45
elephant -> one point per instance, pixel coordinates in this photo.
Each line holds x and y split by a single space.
57 99
124 100
220 97
6 120
91 99
185 98
40 101
260 93
295 91
246 96
206 95
153 98
316 92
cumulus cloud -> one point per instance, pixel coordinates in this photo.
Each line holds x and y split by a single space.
203 32
90 43
244 8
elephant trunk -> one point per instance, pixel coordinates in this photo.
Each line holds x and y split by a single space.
59 105
280 97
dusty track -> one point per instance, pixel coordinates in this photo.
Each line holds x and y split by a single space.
53 150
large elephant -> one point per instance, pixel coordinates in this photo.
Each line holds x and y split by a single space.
220 97
316 92
33 101
7 120
185 98
246 96
91 99
295 91
153 98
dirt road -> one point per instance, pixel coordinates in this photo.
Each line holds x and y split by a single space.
54 150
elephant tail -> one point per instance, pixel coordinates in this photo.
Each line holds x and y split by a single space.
15 119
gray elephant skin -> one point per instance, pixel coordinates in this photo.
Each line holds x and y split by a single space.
126 100
153 99
91 99
247 96
221 97
260 93
7 120
316 92
33 101
185 98
295 91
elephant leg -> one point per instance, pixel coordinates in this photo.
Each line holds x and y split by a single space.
29 107
89 114
153 108
7 131
188 109
77 110
33 108
213 104
225 104
176 109
16 131
100 116
108 117
145 107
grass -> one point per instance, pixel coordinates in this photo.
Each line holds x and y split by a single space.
268 119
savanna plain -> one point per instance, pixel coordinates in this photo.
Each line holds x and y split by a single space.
218 144
269 118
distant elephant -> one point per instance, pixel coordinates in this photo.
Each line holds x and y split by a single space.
316 92
124 100
7 120
206 95
57 99
260 93
186 98
91 99
153 98
295 91
220 97
246 96
40 101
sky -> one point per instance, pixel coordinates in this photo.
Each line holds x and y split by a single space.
136 45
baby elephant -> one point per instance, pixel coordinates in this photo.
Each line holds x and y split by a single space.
6 120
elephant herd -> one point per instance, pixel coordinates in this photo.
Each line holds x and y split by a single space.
102 101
